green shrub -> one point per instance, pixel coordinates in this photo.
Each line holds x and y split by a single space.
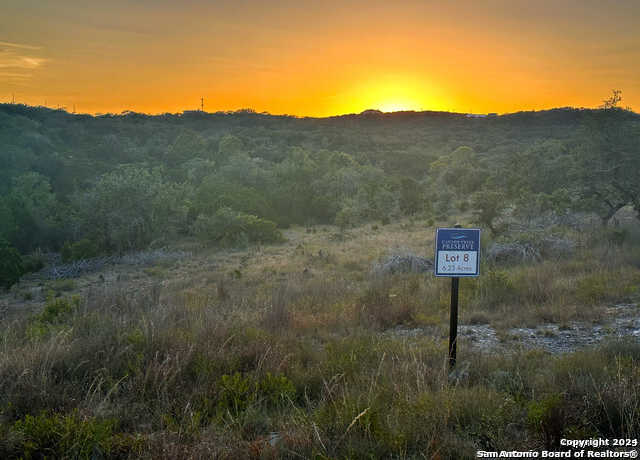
547 417
33 262
348 216
594 288
239 392
83 249
462 205
482 413
236 394
601 388
488 206
276 390
261 230
51 435
231 228
56 309
11 266
55 312
66 252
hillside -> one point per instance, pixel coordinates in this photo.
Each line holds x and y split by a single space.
58 170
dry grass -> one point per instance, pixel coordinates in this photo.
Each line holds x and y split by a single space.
286 352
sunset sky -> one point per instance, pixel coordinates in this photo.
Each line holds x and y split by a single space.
319 58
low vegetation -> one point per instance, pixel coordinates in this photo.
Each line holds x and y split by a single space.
298 349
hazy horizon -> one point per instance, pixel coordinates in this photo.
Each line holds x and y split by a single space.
251 110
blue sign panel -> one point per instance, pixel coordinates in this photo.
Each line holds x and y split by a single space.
457 252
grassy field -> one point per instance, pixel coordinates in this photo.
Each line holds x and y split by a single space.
303 350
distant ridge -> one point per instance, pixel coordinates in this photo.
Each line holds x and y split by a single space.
369 114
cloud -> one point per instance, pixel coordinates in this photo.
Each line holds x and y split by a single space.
15 58
18 45
8 61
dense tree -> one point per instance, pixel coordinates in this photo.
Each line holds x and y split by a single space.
461 170
228 146
117 182
186 146
411 196
607 163
11 267
128 208
31 209
488 205
217 192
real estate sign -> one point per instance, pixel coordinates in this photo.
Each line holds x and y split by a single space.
457 252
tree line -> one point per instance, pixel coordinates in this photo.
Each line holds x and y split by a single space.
90 185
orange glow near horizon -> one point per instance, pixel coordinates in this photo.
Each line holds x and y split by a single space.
307 59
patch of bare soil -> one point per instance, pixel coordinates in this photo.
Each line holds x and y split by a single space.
621 320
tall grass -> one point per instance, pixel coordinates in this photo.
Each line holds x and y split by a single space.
306 367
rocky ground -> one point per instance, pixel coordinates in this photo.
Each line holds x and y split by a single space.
621 320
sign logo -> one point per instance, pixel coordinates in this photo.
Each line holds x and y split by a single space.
457 252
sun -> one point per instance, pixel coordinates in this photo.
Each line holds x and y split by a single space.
391 93
396 106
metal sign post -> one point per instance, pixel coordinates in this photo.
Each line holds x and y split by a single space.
453 321
457 255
